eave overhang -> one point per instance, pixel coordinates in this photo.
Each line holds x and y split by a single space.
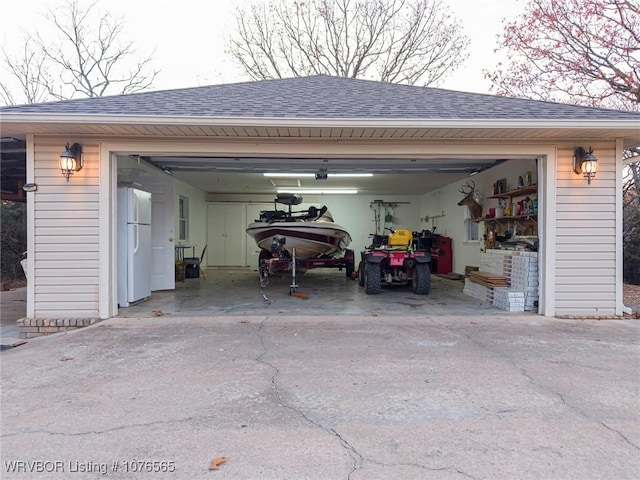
19 124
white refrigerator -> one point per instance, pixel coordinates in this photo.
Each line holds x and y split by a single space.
134 246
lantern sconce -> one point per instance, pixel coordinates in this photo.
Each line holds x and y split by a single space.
71 160
585 163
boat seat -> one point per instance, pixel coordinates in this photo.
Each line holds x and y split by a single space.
289 198
272 215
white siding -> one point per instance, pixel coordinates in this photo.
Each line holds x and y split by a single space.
586 235
66 233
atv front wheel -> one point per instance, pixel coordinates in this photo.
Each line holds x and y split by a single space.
421 279
373 279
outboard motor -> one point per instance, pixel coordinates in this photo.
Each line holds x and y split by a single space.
277 245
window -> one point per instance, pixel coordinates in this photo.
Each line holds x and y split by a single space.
183 219
470 227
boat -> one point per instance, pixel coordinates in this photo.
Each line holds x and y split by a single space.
312 232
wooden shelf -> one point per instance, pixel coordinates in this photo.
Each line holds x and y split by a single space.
532 216
494 226
517 193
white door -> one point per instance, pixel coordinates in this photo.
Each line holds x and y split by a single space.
162 232
236 238
226 236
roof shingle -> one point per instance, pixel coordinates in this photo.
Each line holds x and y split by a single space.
322 97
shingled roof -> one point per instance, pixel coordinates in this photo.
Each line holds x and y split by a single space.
321 97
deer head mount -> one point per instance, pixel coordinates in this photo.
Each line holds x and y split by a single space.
475 209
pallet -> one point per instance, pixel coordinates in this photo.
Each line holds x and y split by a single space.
450 276
487 279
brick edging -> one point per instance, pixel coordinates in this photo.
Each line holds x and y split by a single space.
36 327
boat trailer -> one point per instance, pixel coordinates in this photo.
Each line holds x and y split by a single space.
282 261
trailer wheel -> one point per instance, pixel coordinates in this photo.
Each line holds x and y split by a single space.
361 268
373 279
421 279
349 268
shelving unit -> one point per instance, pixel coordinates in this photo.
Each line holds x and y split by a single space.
520 192
495 227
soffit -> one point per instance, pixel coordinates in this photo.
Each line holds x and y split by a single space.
631 134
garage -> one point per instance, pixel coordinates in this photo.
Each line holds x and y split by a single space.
388 195
203 153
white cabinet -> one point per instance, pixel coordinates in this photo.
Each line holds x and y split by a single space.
226 235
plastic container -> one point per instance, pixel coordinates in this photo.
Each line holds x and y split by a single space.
25 265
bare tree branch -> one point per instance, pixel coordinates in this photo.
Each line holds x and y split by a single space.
402 41
28 69
86 58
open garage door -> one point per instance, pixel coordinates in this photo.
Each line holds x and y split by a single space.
237 188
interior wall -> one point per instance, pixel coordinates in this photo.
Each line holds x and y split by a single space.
353 212
437 211
132 172
440 209
197 216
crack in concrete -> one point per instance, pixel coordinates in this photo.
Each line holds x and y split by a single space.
100 432
544 388
356 458
424 467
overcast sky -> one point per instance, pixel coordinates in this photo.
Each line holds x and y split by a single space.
188 36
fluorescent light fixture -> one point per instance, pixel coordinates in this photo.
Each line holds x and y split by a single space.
312 175
352 175
319 191
289 175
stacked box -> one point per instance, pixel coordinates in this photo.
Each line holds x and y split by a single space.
524 275
508 299
478 291
521 271
497 262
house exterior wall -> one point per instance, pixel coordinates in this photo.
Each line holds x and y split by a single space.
587 221
71 234
63 238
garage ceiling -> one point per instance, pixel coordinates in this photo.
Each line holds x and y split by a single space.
244 175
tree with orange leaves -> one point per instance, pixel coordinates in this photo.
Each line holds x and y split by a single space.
577 51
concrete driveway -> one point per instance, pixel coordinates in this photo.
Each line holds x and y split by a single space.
326 397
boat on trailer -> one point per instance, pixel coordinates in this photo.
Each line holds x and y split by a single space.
312 232
299 240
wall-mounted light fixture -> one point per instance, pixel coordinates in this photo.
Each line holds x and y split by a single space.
585 163
71 160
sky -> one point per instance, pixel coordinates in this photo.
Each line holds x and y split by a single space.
186 37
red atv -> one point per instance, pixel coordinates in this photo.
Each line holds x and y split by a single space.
398 259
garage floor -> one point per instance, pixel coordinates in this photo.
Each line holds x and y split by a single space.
328 291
